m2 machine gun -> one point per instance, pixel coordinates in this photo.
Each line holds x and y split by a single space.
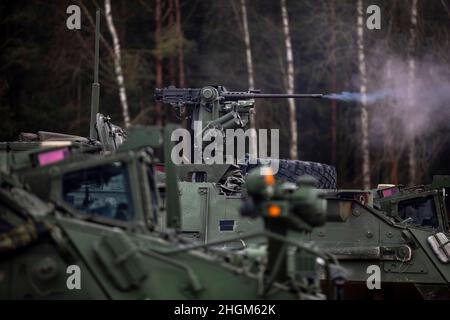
216 107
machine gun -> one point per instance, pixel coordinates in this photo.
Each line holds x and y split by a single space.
217 107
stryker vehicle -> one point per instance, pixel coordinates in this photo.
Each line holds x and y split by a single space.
95 227
401 232
397 235
211 192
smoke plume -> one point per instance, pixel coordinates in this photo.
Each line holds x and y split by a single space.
357 97
420 111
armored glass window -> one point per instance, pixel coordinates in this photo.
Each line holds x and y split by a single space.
419 211
101 191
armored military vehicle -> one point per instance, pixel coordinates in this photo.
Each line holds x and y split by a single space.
392 236
95 227
394 241
211 191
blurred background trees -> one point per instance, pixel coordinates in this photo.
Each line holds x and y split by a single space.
47 70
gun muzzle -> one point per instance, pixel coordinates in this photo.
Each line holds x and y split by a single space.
229 95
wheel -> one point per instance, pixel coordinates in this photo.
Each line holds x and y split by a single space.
291 170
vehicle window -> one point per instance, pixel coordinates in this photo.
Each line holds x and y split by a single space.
100 191
420 211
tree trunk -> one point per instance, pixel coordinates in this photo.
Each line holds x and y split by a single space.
251 79
159 61
333 82
364 118
171 11
181 76
248 49
118 64
412 163
290 81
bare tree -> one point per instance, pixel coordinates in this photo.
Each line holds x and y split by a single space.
181 76
333 64
364 117
251 78
289 80
171 12
117 64
412 163
159 59
248 48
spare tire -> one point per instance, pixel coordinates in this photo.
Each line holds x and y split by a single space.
291 170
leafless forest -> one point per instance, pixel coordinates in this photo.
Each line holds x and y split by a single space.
393 125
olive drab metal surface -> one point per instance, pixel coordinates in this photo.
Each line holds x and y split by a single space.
102 229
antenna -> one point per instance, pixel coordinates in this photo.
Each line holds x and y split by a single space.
95 98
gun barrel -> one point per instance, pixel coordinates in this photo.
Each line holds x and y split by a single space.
245 95
190 96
